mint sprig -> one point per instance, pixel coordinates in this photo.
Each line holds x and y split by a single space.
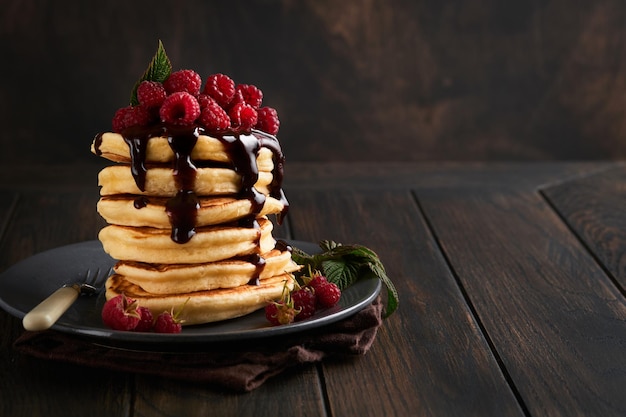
345 264
158 70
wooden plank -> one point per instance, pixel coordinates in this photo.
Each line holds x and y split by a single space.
399 175
8 202
295 392
50 219
429 358
29 386
593 207
554 317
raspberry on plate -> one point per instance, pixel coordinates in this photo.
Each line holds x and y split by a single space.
317 280
280 312
120 313
271 313
304 301
146 321
328 294
167 323
180 108
187 81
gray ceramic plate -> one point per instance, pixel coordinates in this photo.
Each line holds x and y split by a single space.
26 283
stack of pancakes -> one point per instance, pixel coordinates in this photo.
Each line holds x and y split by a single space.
188 221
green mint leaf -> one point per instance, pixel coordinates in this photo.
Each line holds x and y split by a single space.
158 70
393 299
345 264
341 272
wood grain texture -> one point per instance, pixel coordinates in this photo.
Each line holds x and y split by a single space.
430 358
358 80
593 206
295 393
43 220
556 320
503 309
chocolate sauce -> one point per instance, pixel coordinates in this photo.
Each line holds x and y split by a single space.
140 202
182 141
249 222
259 262
97 143
182 209
276 187
283 246
243 150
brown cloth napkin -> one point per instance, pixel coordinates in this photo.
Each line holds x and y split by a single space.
241 366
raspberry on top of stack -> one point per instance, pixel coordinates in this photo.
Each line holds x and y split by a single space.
198 171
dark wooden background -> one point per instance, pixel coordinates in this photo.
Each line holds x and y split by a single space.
393 80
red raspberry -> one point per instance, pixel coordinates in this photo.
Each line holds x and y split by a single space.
151 94
212 116
280 312
271 313
268 120
305 301
237 98
204 100
221 87
317 280
243 116
120 313
328 294
167 323
130 116
187 81
250 94
180 108
146 321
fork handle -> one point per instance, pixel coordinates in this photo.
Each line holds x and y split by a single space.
46 313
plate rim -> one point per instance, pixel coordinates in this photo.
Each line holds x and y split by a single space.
369 289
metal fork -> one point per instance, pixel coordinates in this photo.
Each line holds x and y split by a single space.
46 313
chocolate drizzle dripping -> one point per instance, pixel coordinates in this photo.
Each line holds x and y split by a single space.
259 262
97 143
137 140
282 246
141 202
183 207
276 187
137 146
243 150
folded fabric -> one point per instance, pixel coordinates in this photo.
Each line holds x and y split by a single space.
236 366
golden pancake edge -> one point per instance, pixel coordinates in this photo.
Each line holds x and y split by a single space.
205 306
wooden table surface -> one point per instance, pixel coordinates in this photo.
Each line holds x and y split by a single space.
512 281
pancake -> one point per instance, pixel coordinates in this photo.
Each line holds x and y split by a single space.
113 147
204 306
129 210
161 181
209 244
180 278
